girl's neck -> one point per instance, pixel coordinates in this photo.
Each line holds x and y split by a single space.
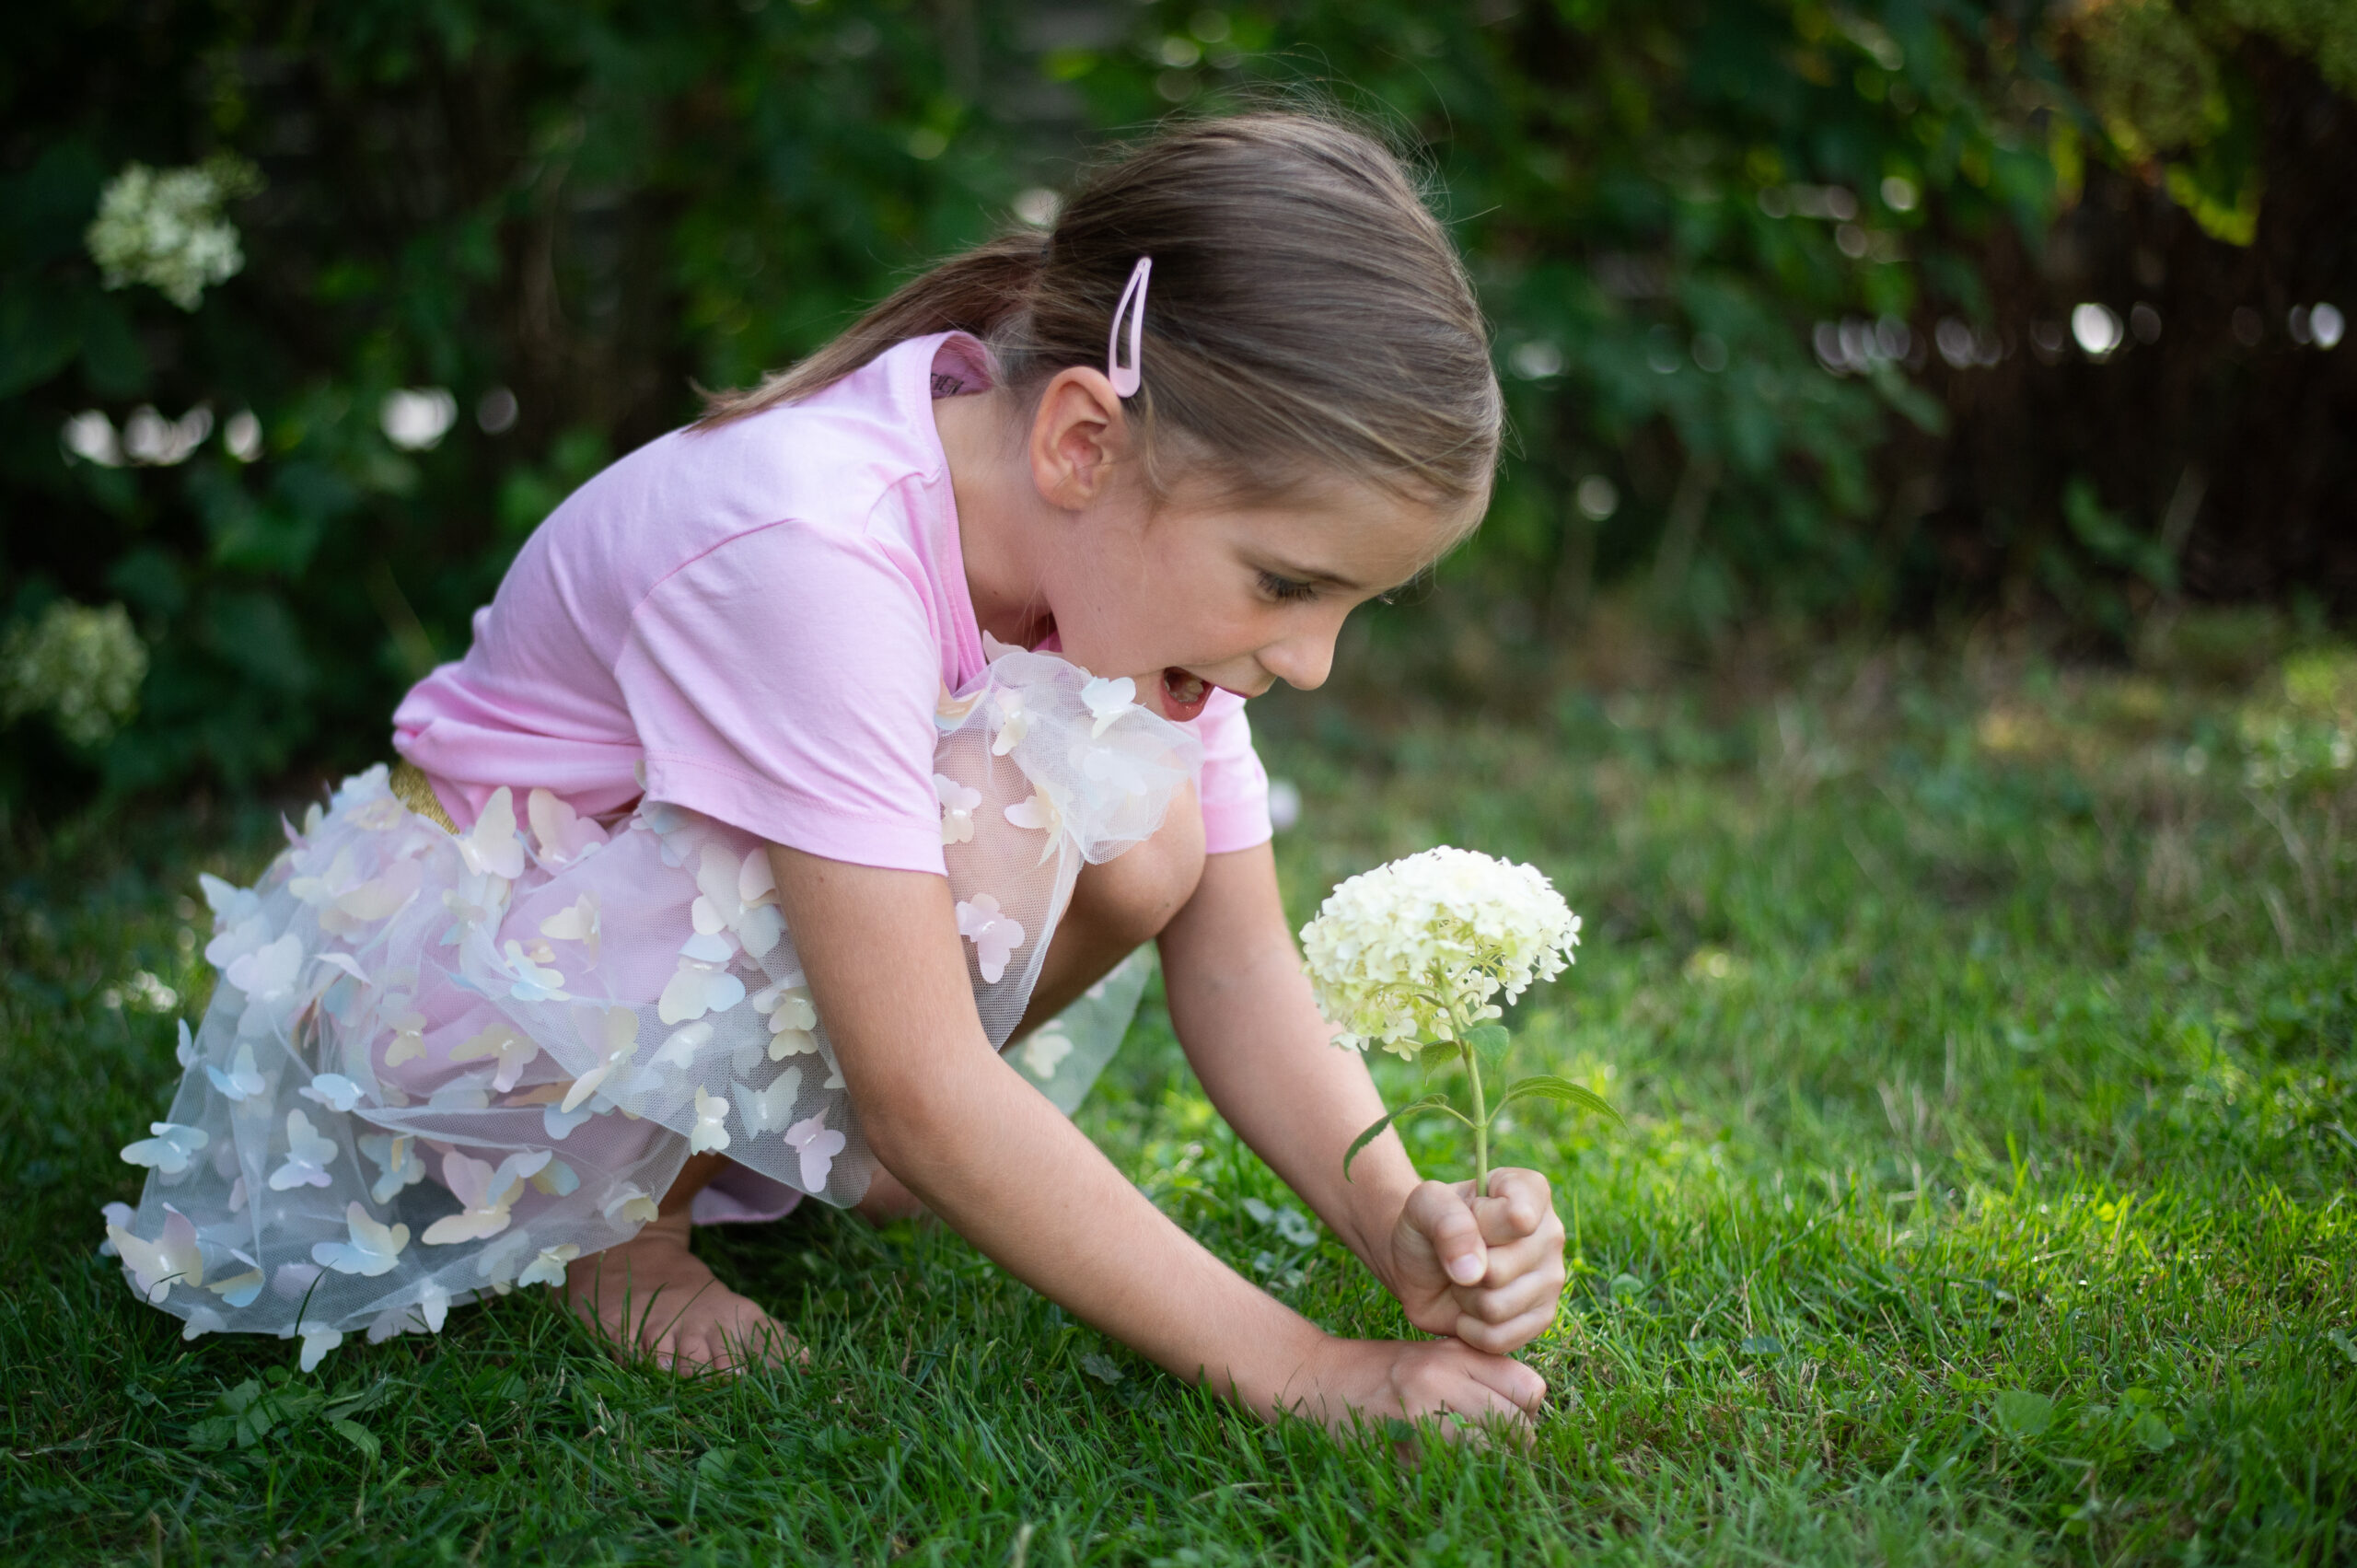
994 498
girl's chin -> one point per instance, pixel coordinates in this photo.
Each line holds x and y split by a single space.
1183 694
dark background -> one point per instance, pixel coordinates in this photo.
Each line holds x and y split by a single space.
1724 244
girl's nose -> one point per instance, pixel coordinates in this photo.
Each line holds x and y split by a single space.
1301 662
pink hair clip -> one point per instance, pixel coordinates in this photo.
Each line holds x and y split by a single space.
1127 378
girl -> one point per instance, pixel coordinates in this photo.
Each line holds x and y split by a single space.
777 795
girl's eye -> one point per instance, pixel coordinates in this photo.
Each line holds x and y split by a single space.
1285 590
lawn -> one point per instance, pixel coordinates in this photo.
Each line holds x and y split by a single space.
1985 1034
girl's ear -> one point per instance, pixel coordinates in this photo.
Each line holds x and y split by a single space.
1079 436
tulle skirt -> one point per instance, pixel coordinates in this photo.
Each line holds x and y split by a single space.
439 1064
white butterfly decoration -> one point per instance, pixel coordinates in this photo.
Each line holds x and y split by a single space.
561 1124
1043 1052
235 940
487 1195
1107 700
556 1180
374 1250
155 1266
680 1049
548 1268
993 934
331 1089
630 1205
307 1154
490 848
239 1290
1041 814
701 983
512 1049
186 1049
243 1080
499 1261
475 904
348 901
766 1111
1010 718
564 835
432 1307
169 1151
792 1016
395 1153
957 802
267 977
399 1014
316 1342
114 1215
672 826
739 896
201 1322
613 1034
532 983
818 1146
575 923
711 1132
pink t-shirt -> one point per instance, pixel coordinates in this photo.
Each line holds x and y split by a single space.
764 616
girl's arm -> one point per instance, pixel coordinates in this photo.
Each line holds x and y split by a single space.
1488 1271
995 1160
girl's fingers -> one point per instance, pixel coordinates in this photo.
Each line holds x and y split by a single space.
1541 1255
1519 1204
1504 1339
1526 1294
1439 1212
1522 1389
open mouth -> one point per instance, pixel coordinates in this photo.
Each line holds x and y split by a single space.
1183 693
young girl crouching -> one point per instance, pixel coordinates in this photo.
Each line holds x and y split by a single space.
811 756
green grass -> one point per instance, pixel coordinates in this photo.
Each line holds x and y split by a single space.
1986 1036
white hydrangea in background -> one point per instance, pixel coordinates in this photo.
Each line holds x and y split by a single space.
165 226
81 666
1413 952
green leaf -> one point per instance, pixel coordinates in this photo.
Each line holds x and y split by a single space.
2152 1430
2021 1413
1433 1058
1490 1039
1546 1086
358 1436
1429 1102
712 1463
1101 1368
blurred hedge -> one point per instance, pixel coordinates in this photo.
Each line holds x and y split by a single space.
1784 295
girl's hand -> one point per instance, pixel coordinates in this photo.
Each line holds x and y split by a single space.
1486 1271
1373 1379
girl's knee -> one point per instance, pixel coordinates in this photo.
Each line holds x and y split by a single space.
1134 895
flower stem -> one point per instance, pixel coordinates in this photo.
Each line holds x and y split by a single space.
1480 1126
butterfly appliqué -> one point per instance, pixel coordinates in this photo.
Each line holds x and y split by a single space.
1107 700
711 1132
766 1111
169 1150
490 848
612 1033
818 1145
171 1259
512 1049
993 934
958 804
395 1153
563 834
307 1156
374 1248
332 1091
487 1194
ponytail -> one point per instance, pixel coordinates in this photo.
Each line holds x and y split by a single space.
978 292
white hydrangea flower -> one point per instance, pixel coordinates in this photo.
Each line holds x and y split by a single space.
1419 950
83 665
165 226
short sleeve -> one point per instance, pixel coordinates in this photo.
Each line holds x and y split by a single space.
1235 787
785 683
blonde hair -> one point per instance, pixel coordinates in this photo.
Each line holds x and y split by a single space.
1308 313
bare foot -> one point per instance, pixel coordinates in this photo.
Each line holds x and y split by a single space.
653 1293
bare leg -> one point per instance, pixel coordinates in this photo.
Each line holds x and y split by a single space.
653 1294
